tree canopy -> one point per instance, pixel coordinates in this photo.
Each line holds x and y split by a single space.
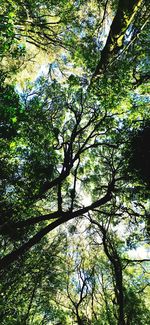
75 162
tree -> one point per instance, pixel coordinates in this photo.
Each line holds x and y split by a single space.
69 154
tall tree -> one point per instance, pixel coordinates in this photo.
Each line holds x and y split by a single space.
70 142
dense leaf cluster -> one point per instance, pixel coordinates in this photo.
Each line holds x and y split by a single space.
75 163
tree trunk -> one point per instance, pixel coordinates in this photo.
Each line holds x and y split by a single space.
123 18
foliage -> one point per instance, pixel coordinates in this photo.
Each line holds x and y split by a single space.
75 163
139 160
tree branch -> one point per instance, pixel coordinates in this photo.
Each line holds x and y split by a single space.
66 216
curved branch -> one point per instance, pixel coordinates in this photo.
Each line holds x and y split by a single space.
66 216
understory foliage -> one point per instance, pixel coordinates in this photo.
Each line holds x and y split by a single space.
75 163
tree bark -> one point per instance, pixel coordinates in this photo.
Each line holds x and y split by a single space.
114 258
122 20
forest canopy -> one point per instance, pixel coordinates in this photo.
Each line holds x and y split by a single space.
75 162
